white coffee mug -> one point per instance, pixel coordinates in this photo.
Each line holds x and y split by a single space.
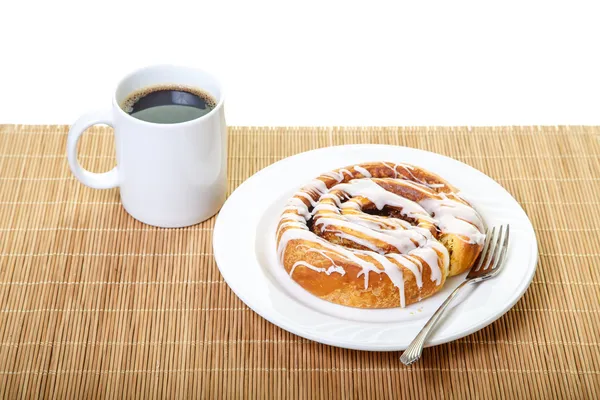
169 175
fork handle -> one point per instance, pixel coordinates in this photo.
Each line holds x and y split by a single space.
415 348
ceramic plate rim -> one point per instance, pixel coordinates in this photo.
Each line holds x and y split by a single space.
270 316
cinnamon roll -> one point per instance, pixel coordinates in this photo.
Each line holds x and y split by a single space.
377 235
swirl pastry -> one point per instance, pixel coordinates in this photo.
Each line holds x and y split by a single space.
377 235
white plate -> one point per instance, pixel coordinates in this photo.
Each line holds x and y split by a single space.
244 246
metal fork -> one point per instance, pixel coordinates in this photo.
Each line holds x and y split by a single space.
488 266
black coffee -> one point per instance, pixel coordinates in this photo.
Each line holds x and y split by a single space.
168 104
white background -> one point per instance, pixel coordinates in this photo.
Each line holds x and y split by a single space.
313 62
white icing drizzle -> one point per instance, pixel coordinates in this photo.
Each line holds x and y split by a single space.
333 197
307 197
403 243
293 217
411 266
349 255
361 241
416 185
436 273
362 171
380 197
321 252
408 169
374 222
394 273
295 224
333 268
333 175
456 217
317 186
295 204
338 176
324 207
327 271
350 204
392 168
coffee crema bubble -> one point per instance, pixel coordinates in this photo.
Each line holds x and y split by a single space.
168 104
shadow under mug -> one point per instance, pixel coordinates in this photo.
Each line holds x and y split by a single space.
169 175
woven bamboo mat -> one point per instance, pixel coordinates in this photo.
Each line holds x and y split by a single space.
93 302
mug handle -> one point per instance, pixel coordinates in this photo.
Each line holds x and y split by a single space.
106 180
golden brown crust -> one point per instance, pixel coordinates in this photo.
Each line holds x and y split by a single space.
361 236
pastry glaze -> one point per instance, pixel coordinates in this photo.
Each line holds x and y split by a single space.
377 235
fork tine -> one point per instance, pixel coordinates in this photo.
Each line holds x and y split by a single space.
486 244
491 256
494 258
500 263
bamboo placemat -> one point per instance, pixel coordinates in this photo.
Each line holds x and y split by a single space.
93 302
